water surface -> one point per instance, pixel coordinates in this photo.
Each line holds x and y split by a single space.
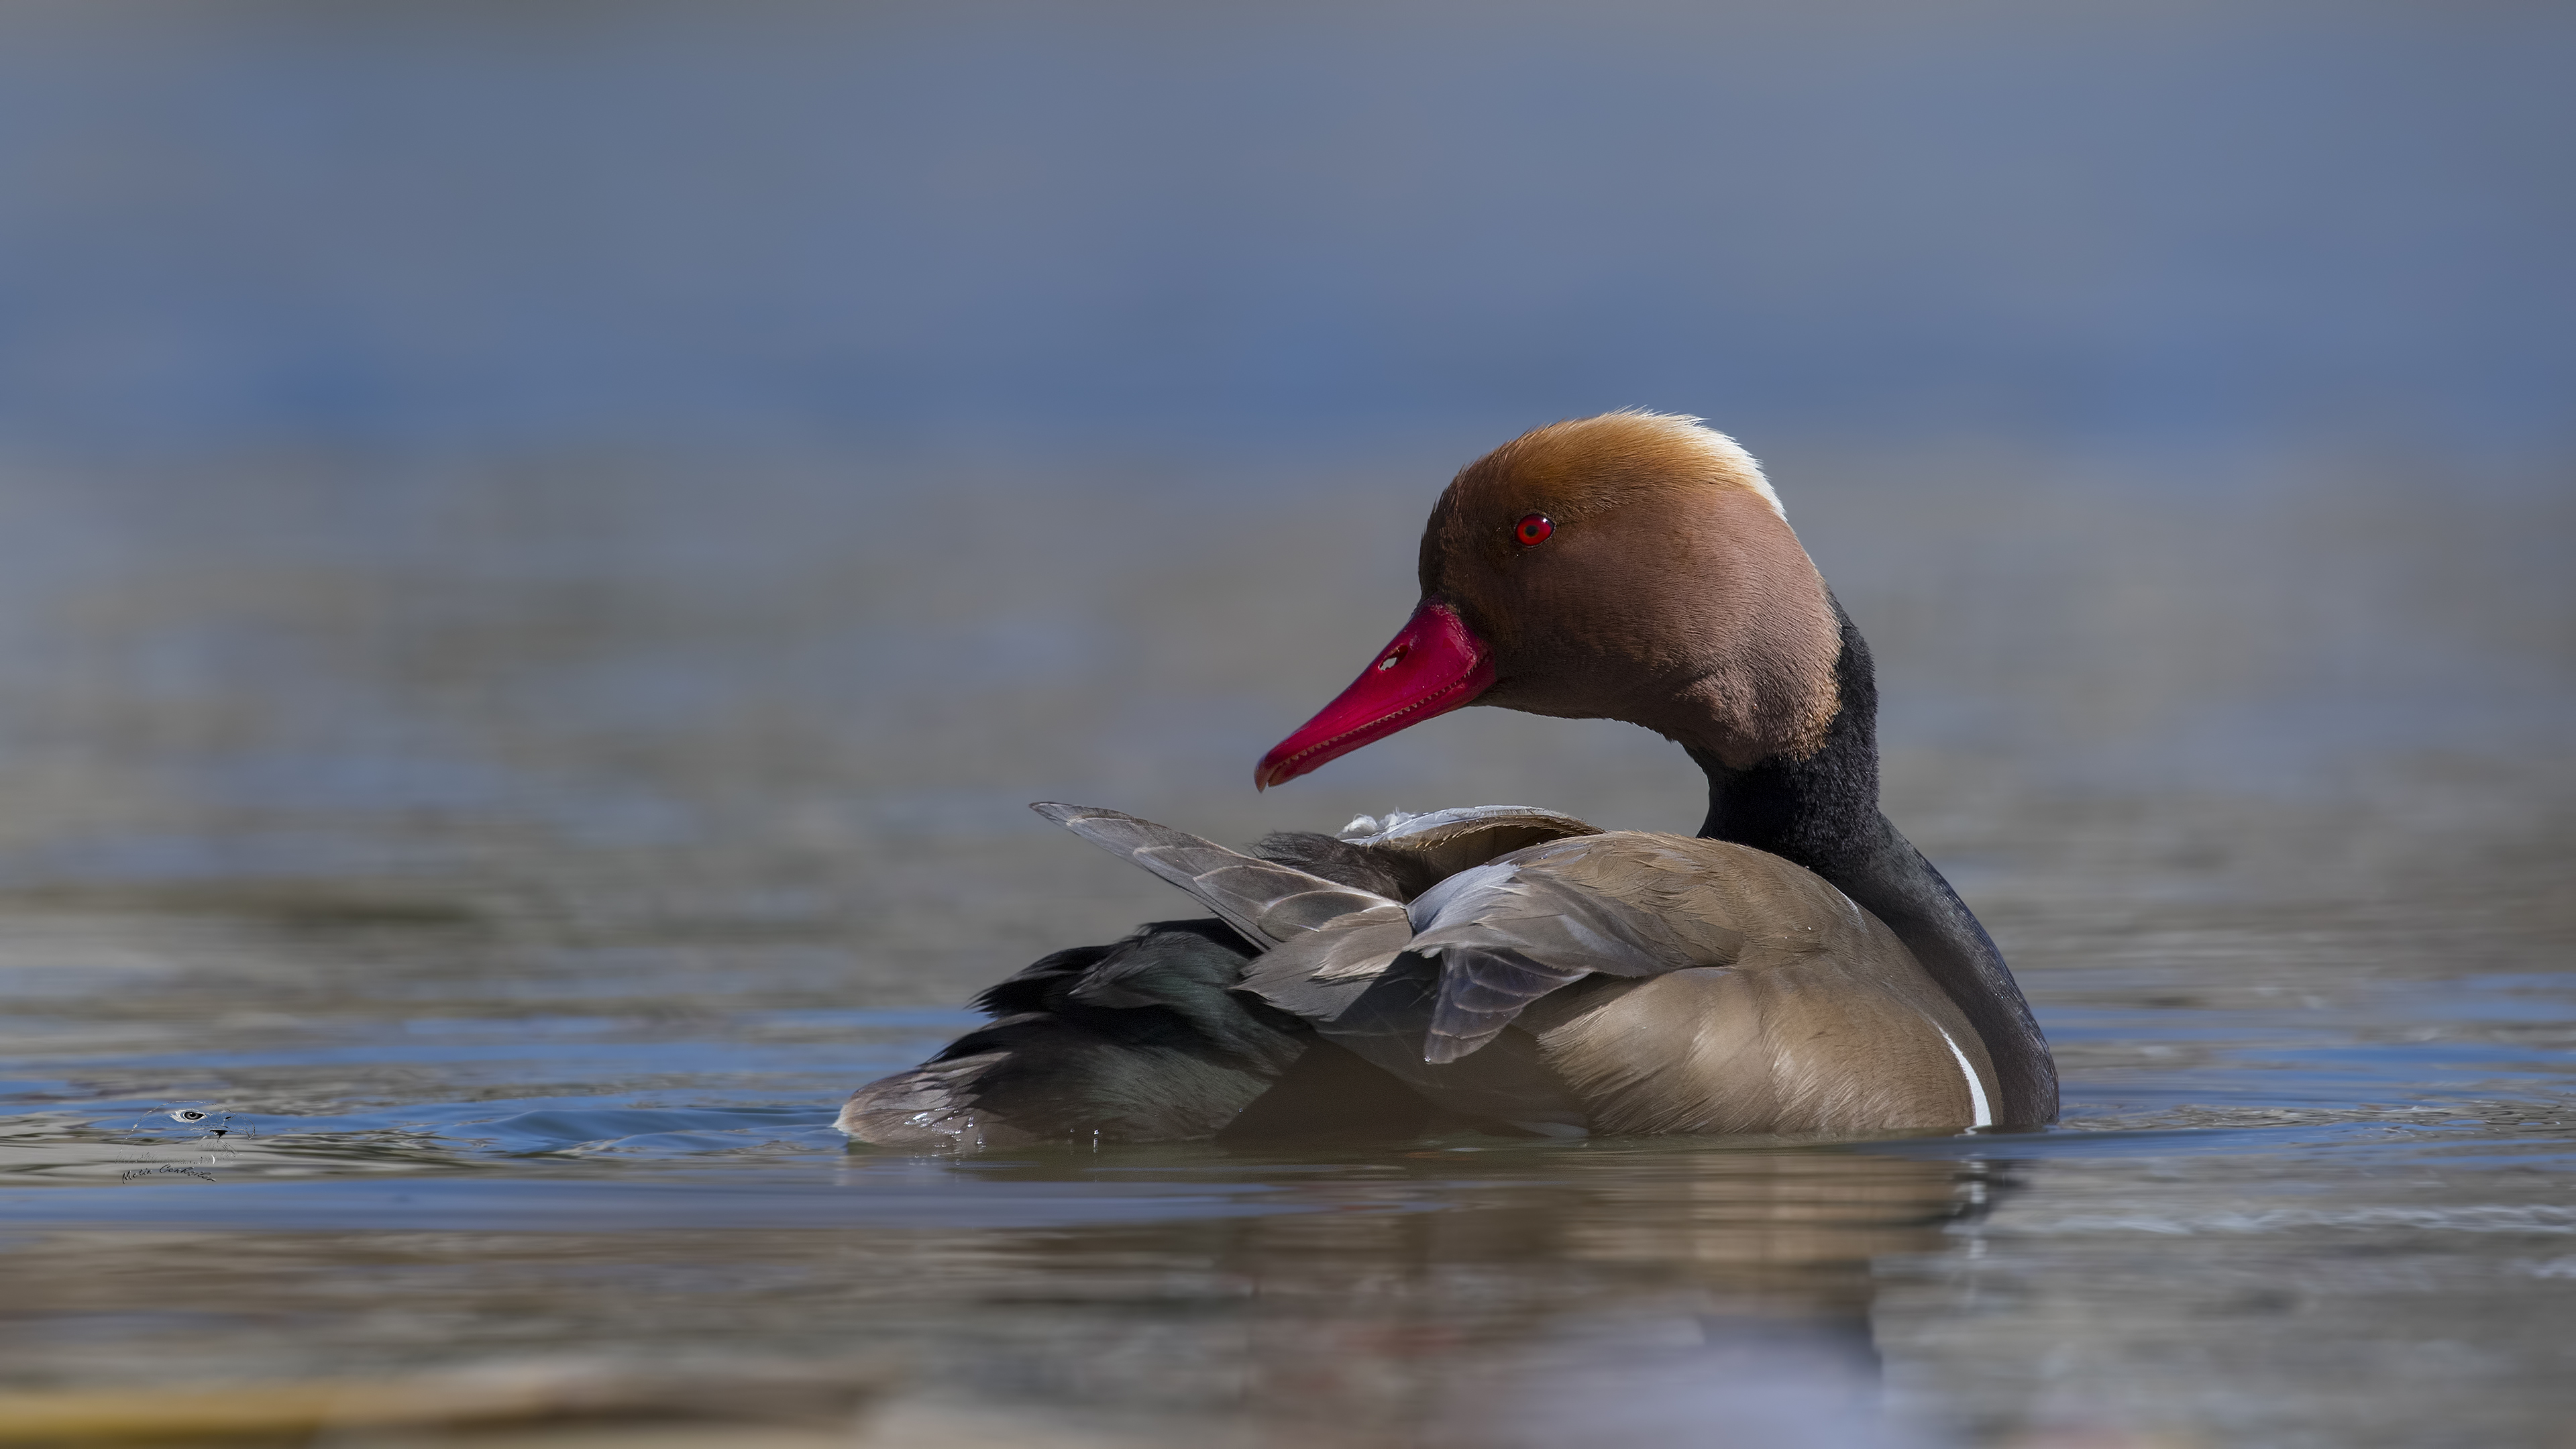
522 863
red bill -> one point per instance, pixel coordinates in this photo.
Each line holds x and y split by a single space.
1433 665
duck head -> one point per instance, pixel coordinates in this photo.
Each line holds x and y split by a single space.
1634 566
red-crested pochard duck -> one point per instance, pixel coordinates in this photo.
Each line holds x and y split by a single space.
1796 968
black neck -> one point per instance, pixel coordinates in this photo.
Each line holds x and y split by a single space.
1822 812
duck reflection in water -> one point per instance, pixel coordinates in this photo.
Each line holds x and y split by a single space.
1648 1291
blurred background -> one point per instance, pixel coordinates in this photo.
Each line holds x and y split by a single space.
544 547
457 438
443 229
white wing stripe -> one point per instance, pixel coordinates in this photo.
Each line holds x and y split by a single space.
1976 1089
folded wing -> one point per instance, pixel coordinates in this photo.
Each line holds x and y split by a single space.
1499 935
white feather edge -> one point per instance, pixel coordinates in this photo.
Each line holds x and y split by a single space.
1396 825
1985 1114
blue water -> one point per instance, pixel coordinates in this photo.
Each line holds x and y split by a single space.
523 884
434 228
2432 1125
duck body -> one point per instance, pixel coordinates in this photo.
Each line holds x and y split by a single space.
1618 982
1672 984
1796 968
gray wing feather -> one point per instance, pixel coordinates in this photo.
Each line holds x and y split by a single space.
1319 974
1505 937
1270 903
1504 907
1481 992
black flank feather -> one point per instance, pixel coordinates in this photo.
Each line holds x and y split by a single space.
1146 1039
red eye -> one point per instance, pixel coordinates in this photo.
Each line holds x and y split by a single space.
1533 530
